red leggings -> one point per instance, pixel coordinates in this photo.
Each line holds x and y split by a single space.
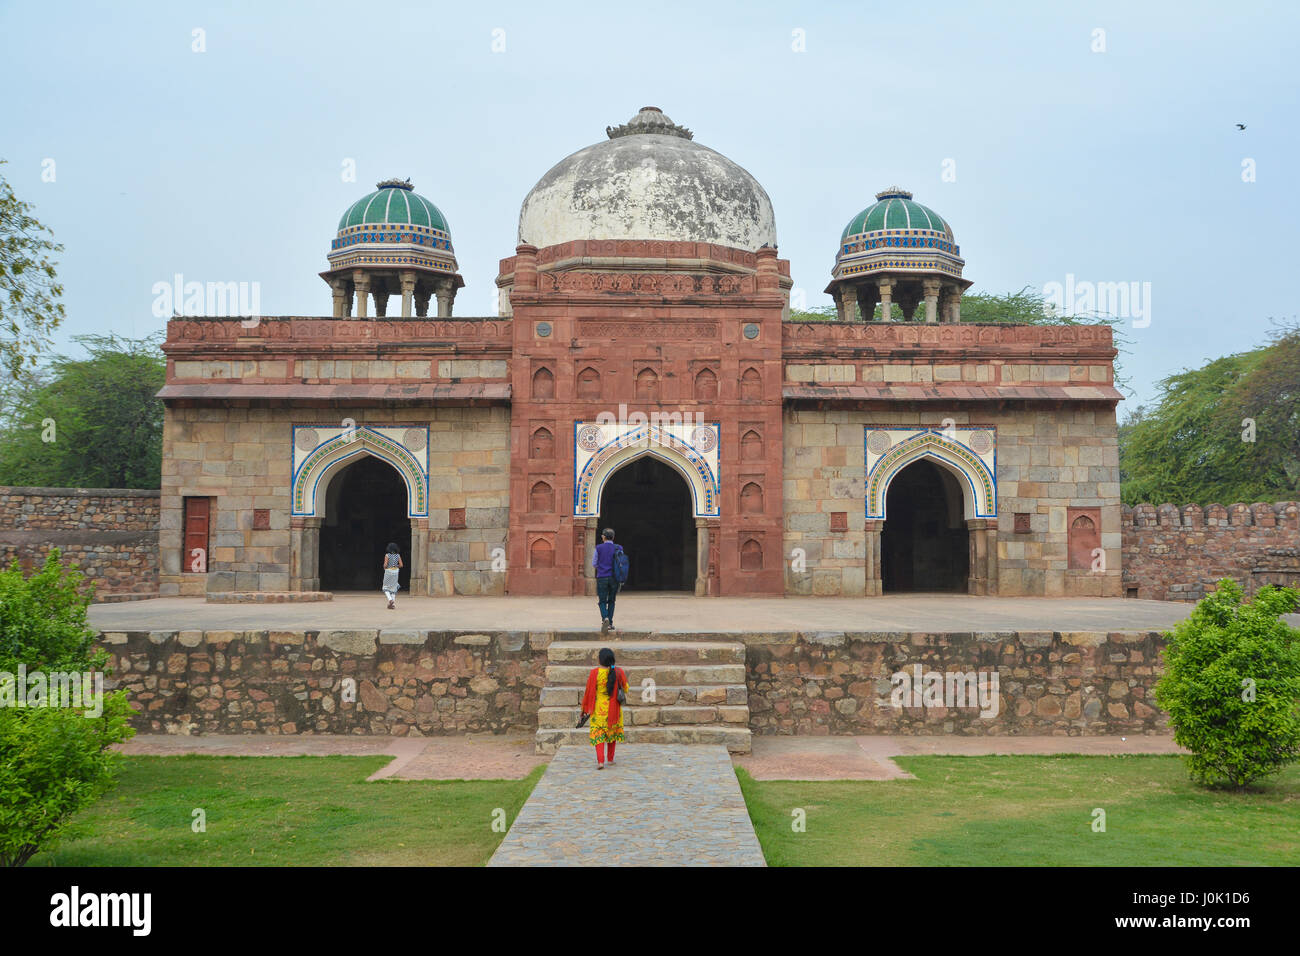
600 752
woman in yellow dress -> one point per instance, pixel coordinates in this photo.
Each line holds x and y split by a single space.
605 685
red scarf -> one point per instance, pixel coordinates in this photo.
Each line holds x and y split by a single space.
589 698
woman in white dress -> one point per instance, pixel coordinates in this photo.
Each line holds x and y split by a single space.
392 565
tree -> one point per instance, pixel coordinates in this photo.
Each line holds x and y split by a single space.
54 759
1267 401
29 290
1226 432
1231 685
92 422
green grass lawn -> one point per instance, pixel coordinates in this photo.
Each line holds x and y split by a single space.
1028 811
287 811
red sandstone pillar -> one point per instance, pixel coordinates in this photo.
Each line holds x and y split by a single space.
525 267
769 279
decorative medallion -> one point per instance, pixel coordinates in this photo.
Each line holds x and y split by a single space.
415 438
878 442
589 437
751 330
544 329
981 442
307 439
705 438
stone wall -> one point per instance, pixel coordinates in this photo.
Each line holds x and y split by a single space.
240 455
110 533
1049 682
1048 459
1177 554
423 683
405 683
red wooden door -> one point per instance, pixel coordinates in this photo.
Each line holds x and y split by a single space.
194 559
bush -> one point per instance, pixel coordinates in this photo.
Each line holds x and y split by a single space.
53 760
1231 685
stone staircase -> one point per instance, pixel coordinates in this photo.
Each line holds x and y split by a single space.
680 691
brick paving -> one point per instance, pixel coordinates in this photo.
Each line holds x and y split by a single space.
658 805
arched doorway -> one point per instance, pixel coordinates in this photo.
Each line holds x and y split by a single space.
649 506
924 544
365 508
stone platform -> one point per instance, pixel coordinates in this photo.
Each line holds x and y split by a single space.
659 612
724 670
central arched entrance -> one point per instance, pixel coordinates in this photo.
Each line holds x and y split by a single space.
365 508
924 544
649 506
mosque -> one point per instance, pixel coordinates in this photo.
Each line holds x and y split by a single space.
642 373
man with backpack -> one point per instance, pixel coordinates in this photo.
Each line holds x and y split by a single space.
611 566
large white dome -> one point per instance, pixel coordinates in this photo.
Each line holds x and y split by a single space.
648 181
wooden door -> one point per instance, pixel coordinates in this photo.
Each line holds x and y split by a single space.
194 557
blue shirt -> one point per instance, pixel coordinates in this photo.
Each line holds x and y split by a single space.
602 559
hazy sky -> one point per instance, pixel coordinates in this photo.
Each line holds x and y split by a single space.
226 165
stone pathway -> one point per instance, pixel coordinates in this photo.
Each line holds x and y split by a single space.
658 805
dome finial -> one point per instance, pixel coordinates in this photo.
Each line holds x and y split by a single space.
395 183
650 119
893 192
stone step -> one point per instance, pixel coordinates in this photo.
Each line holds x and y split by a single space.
647 716
648 652
570 695
735 739
618 638
661 674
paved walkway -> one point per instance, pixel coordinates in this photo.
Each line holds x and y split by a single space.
657 805
935 613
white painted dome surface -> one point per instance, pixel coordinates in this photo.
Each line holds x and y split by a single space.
648 181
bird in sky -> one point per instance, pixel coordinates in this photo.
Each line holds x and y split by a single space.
1241 126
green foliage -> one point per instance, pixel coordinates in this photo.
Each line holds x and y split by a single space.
1232 685
53 760
1191 446
43 618
29 290
100 411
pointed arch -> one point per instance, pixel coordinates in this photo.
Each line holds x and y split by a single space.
659 443
333 455
543 383
979 488
647 385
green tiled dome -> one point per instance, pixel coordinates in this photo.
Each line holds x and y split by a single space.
895 209
394 202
